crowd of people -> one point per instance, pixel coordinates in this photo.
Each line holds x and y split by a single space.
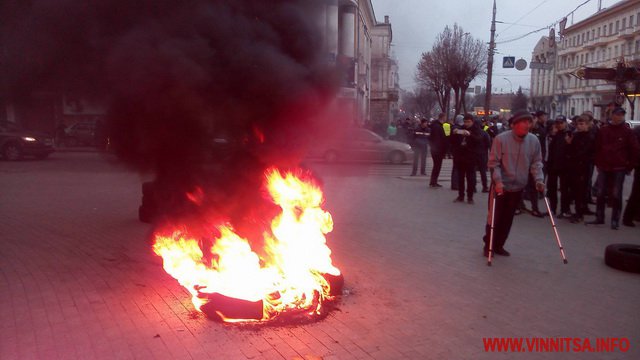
571 151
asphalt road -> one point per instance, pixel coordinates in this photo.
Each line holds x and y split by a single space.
78 279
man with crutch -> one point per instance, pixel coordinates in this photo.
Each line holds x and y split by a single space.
514 155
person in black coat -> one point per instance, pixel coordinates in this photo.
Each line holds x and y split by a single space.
580 153
557 168
438 141
466 144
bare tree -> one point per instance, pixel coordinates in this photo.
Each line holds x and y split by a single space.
419 102
454 61
431 74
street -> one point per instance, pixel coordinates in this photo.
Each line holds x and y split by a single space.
80 281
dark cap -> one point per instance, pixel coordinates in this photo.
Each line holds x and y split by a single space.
561 118
522 115
539 113
619 110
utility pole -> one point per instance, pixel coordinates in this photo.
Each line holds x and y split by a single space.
492 47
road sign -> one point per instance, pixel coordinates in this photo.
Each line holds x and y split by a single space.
539 65
508 62
521 64
597 73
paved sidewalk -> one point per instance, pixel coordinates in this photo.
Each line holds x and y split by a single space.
78 279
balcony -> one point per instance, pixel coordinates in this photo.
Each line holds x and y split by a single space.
627 33
600 41
569 50
589 45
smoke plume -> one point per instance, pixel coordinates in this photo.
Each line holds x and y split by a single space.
177 74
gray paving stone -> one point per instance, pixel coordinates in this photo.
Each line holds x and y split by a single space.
78 279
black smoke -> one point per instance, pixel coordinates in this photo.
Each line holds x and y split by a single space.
175 74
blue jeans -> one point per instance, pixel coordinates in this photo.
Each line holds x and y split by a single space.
609 182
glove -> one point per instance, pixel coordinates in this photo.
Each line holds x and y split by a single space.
540 187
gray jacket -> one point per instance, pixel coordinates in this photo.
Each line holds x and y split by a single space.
512 159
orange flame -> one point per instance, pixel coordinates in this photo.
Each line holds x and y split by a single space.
289 276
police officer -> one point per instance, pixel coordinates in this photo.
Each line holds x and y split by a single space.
420 145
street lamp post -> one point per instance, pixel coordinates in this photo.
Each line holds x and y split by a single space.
510 85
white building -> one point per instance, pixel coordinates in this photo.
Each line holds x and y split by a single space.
542 66
602 40
361 47
385 88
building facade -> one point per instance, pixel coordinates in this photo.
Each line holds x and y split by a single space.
610 36
361 48
385 88
542 85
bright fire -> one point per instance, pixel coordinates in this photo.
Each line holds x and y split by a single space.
289 273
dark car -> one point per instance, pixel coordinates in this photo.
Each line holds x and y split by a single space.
357 144
16 143
80 133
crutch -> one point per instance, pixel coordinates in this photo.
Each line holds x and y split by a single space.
555 230
493 216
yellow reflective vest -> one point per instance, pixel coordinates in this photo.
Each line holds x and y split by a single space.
447 128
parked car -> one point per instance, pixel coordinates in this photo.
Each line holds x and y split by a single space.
358 144
16 143
80 133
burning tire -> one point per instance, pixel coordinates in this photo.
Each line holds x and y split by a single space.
625 257
220 307
285 272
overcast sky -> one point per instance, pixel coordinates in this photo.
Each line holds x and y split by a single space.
416 23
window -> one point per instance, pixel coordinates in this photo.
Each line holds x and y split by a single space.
617 26
598 31
582 41
615 50
624 23
581 59
610 28
593 34
637 46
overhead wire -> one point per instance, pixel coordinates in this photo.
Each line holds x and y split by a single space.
543 28
522 17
